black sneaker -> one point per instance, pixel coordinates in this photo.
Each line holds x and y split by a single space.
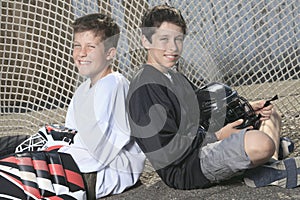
283 173
286 147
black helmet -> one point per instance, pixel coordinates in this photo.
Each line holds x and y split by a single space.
219 105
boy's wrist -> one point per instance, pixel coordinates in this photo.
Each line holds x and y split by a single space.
219 134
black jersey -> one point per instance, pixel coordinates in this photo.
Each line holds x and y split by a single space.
164 119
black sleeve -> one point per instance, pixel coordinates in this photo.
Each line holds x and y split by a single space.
171 143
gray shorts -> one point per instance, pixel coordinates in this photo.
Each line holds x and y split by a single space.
221 160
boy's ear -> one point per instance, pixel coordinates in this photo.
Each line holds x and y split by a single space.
145 42
111 53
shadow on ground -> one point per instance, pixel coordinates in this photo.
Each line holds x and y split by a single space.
233 190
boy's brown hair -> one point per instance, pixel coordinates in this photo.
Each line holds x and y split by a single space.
102 25
154 17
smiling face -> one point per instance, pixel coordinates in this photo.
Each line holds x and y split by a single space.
90 56
166 46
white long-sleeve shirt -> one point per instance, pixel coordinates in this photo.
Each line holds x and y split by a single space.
103 141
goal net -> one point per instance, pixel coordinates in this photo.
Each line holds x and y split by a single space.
251 45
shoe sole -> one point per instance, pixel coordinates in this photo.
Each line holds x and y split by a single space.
284 173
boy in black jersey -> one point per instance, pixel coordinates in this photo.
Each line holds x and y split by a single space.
164 118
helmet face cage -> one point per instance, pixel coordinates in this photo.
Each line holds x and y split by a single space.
47 136
241 109
33 143
237 109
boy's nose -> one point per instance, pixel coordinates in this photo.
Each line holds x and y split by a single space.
82 52
172 45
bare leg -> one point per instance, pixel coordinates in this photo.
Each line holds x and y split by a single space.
272 127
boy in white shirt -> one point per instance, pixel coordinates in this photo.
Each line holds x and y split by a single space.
102 148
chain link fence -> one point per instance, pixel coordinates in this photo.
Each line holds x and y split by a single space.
251 45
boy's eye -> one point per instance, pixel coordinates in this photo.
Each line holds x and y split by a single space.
164 39
179 39
76 45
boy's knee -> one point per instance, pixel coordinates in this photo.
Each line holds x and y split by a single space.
259 147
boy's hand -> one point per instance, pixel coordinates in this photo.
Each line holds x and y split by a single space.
265 112
229 129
